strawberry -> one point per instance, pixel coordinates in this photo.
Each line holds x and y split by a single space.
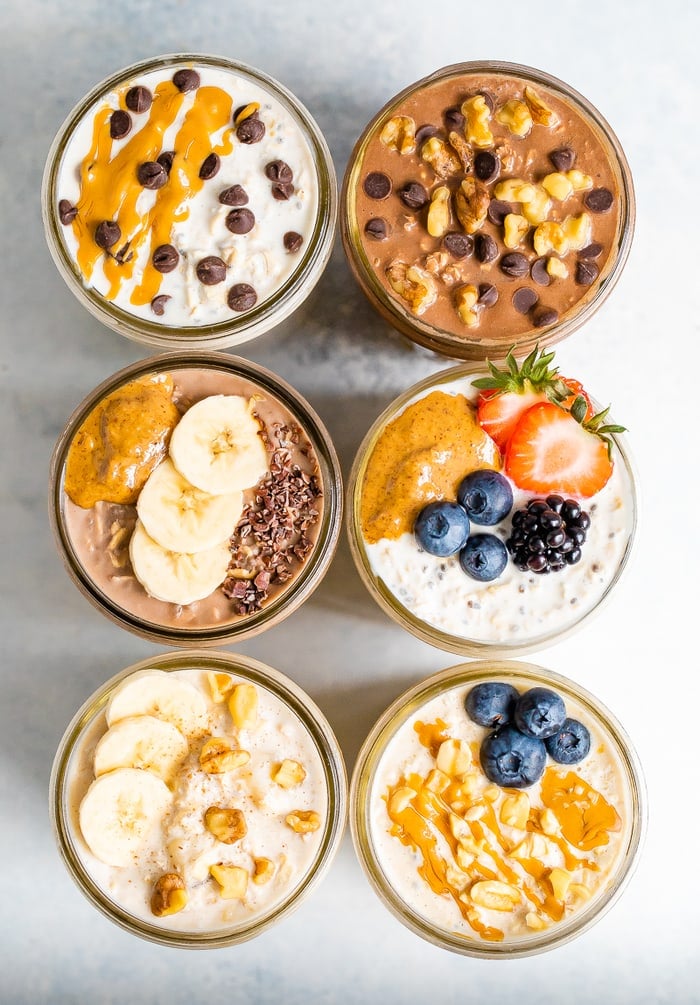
507 394
553 450
576 389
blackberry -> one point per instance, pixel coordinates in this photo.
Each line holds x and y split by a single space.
547 535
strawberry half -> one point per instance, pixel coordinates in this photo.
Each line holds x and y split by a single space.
507 394
557 451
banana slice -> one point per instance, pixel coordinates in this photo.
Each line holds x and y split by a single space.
216 445
180 517
158 693
119 812
141 741
173 576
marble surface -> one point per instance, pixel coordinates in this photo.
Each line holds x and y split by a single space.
638 64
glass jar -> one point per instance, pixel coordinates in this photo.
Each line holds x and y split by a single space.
202 926
174 305
432 597
456 298
95 540
401 747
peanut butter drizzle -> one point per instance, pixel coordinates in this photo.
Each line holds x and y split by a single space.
585 818
120 442
110 190
421 456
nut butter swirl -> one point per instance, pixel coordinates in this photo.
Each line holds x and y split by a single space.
110 190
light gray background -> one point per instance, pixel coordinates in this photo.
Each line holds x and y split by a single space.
638 63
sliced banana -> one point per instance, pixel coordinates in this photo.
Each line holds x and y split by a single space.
141 741
158 693
217 446
176 577
119 812
180 517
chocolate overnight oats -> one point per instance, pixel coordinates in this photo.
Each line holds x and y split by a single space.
487 206
196 499
190 197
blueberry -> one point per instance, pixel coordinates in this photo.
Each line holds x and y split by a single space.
486 496
539 713
442 528
511 759
484 557
491 703
571 744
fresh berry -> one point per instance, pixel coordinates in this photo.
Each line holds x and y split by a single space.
491 703
539 713
576 390
507 394
571 744
442 528
486 496
552 451
511 759
483 557
547 534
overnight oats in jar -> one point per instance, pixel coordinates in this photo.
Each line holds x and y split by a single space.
497 809
487 205
492 511
198 798
195 498
190 201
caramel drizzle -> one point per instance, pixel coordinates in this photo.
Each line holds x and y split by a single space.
584 816
110 190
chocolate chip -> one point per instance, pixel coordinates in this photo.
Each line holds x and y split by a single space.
414 195
598 200
377 185
545 316
377 228
458 245
239 111
514 265
488 294
524 299
119 124
138 99
539 272
485 248
454 120
563 159
498 210
107 234
240 221
586 273
158 304
488 98
151 174
250 130
66 212
282 190
165 258
424 133
594 250
487 166
186 80
292 241
166 160
236 195
210 167
123 255
211 270
278 171
241 297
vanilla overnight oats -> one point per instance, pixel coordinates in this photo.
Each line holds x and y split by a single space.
198 798
485 205
497 809
195 498
492 510
190 199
